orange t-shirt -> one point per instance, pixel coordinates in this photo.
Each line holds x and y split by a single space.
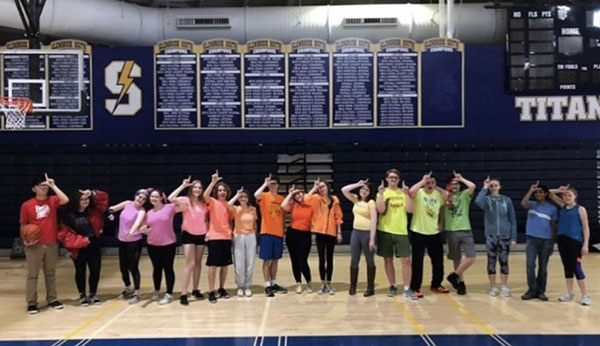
301 215
245 220
272 214
220 220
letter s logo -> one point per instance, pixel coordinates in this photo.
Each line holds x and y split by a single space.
118 79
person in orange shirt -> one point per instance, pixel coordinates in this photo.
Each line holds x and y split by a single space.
298 237
244 241
219 236
326 223
271 232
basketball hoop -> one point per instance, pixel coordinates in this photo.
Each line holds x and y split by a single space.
15 109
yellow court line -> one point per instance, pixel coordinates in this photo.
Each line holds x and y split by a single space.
93 319
488 330
402 308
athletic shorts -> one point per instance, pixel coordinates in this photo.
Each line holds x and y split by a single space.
187 238
458 239
389 245
219 253
271 247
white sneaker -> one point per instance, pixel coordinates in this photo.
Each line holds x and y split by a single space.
494 291
322 289
135 299
299 288
586 300
567 297
155 296
505 291
330 290
248 292
309 287
167 298
240 292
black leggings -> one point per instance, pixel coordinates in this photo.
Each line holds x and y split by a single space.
90 257
435 249
570 255
298 244
129 260
325 246
162 258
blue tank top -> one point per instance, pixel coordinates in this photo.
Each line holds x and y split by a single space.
569 223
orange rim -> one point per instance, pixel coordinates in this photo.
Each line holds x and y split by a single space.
22 103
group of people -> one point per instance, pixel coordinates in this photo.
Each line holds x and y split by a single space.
220 222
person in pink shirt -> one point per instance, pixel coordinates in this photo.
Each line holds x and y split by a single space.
161 243
244 241
193 231
219 236
130 239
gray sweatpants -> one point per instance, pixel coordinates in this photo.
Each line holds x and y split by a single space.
244 252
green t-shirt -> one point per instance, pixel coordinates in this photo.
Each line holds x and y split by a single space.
394 220
456 216
427 211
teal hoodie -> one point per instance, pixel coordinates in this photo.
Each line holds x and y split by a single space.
499 215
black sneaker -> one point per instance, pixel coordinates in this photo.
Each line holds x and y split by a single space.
212 298
94 300
269 292
32 309
83 301
197 295
221 293
454 279
56 305
278 289
183 300
462 289
528 295
542 297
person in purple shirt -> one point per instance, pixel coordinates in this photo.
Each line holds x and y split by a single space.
540 229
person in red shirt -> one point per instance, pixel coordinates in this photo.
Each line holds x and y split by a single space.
43 253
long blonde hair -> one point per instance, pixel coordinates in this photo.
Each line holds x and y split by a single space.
191 193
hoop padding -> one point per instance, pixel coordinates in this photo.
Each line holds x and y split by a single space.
15 109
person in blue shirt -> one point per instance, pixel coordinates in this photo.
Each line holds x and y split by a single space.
541 224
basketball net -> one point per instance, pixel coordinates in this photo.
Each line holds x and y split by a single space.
15 109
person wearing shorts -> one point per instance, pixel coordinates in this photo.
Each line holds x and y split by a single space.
271 232
393 204
458 229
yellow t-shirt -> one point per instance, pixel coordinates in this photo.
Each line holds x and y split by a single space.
394 220
362 215
427 211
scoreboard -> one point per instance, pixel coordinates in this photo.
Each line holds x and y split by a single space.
553 49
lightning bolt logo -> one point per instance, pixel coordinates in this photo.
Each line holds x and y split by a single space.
125 81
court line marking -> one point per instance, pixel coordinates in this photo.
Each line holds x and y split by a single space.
85 342
263 323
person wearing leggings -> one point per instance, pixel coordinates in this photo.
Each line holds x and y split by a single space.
162 243
84 216
298 236
500 225
132 215
573 237
363 233
326 224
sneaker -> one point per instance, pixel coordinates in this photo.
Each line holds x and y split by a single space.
494 291
454 280
167 298
505 291
83 301
126 293
212 297
322 289
462 289
418 293
248 292
240 292
529 295
197 295
410 294
278 289
94 300
298 288
567 297
269 293
32 309
155 296
56 305
221 293
183 300
392 291
309 288
586 300
440 289
330 290
136 298
542 297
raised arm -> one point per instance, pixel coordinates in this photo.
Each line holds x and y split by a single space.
481 199
586 230
285 205
214 179
118 207
234 199
258 193
532 189
62 197
184 184
347 190
409 204
552 193
469 184
415 188
380 201
315 187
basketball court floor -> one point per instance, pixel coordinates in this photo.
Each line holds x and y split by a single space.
303 319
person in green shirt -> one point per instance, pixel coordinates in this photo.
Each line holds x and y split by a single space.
426 234
393 203
458 229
